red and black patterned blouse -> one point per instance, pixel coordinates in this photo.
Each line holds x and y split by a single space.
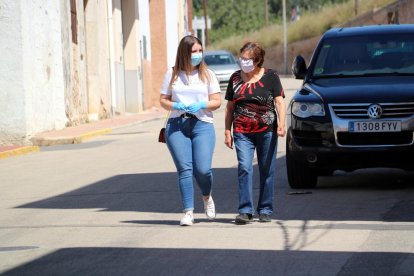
254 107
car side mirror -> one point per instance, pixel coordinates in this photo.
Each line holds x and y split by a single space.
299 69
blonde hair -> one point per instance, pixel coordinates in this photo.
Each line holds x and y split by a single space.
183 60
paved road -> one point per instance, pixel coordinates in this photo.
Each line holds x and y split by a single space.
111 206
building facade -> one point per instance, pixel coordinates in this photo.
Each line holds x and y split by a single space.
70 62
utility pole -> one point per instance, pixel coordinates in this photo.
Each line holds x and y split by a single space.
205 21
356 7
284 38
190 17
266 3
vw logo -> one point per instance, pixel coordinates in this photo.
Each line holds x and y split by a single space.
374 111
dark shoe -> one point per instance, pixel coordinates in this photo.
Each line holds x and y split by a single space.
264 218
244 218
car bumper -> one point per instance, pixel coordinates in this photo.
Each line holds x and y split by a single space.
315 144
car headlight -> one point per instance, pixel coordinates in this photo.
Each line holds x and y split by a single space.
306 109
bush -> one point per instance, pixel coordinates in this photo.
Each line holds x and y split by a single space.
311 24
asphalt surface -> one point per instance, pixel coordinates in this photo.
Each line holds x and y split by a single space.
110 206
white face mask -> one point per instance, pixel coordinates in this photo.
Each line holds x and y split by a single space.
246 65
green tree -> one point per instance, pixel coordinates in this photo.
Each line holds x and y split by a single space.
234 17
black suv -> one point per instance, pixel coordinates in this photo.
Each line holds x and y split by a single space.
356 106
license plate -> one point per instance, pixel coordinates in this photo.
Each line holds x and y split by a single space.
374 126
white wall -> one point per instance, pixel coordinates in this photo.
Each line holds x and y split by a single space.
42 61
12 103
31 77
132 56
172 30
144 21
119 100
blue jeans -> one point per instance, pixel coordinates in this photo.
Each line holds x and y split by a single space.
191 144
265 144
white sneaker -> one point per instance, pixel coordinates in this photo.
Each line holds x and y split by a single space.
209 208
188 219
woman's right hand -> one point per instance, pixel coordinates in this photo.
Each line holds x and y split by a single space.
179 106
228 139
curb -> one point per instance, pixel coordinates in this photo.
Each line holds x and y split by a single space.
64 139
52 141
89 135
19 151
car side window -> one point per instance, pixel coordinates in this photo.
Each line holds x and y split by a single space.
322 60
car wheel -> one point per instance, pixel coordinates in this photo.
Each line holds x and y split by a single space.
300 176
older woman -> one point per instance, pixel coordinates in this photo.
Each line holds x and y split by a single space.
256 110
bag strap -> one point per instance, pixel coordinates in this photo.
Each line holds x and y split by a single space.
166 118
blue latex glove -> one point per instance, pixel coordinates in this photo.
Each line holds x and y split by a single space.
193 108
179 106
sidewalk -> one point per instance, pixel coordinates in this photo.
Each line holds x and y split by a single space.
78 134
81 133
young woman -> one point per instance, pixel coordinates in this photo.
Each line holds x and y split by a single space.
254 94
191 91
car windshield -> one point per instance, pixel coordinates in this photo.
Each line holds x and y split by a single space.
365 56
219 59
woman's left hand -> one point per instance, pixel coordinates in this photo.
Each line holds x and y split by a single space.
193 108
281 131
281 113
228 140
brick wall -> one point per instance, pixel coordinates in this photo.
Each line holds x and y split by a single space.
158 51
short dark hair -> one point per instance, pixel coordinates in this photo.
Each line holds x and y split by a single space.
257 50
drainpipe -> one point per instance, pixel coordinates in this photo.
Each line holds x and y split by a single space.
111 42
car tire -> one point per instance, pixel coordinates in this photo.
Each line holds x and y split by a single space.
300 176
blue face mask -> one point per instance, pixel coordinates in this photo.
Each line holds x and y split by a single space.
196 58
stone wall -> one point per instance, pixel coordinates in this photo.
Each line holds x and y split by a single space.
31 77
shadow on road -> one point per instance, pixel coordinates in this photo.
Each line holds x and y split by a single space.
174 222
344 196
164 261
367 195
148 192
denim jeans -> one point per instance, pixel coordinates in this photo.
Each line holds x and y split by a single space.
265 144
191 144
